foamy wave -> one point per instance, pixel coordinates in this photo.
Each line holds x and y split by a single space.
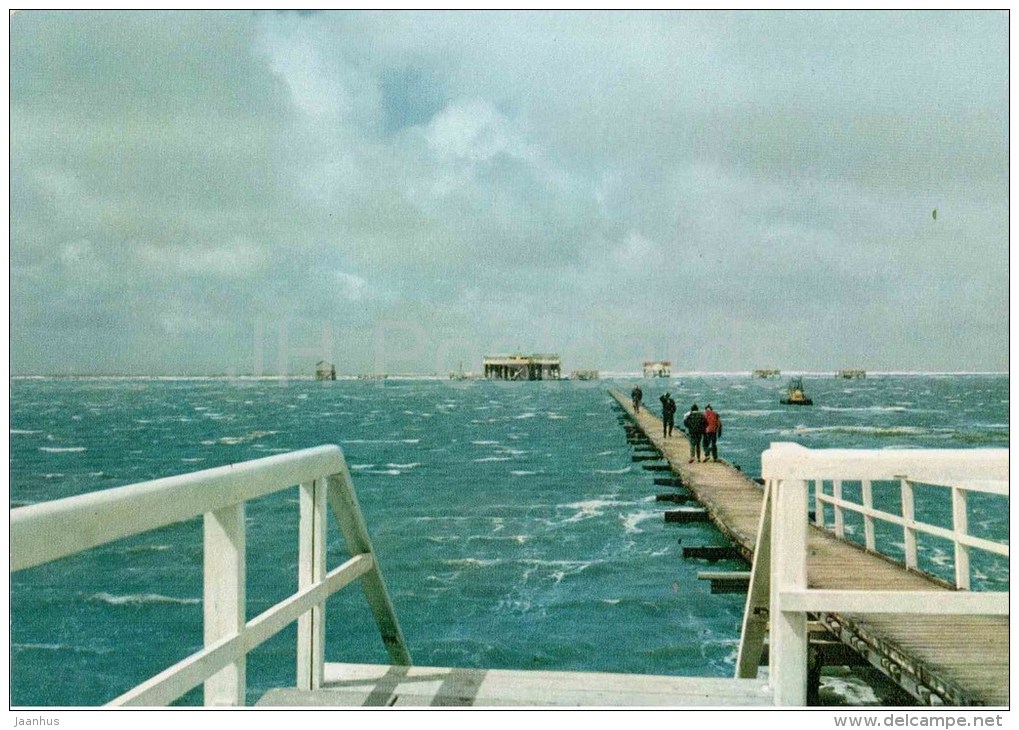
145 549
359 467
485 443
523 473
590 508
605 453
141 599
529 414
252 436
18 431
630 522
470 562
62 449
494 458
404 466
390 472
624 470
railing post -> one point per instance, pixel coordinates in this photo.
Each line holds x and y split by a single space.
224 597
819 503
788 652
960 528
908 520
836 493
311 569
868 519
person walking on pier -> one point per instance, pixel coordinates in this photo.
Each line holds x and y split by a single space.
638 395
668 414
695 423
712 432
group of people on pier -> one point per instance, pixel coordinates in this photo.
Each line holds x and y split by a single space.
702 428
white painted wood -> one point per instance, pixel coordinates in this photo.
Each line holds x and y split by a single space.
362 685
984 470
311 569
965 539
960 528
343 500
50 530
788 655
188 673
224 599
868 517
755 613
836 493
908 522
819 502
925 603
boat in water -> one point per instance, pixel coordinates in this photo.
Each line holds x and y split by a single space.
795 395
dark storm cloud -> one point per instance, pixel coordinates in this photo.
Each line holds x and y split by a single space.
728 189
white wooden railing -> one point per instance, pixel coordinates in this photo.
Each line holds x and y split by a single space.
779 578
910 526
51 530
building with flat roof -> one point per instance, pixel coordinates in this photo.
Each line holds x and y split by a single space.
522 367
657 368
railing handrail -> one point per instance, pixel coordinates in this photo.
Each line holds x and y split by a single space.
977 469
50 530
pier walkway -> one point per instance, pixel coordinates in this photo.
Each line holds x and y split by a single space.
938 659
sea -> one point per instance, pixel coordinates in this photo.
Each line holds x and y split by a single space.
511 524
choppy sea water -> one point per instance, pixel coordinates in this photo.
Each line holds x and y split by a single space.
512 527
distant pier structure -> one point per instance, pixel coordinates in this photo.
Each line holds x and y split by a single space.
851 374
766 373
657 368
325 370
584 375
522 367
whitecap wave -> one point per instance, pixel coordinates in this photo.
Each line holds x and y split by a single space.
141 599
251 436
624 470
62 449
404 466
631 521
494 458
19 431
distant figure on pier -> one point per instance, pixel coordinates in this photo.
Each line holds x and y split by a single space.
668 414
712 432
638 395
695 423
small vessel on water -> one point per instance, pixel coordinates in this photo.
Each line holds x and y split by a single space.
795 395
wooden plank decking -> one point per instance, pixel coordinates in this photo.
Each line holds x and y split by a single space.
957 660
378 685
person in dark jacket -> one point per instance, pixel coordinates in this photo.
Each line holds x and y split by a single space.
668 414
695 424
712 432
638 395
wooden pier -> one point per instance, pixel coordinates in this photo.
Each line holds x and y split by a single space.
951 660
381 685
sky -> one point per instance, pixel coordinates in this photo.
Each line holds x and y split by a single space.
249 192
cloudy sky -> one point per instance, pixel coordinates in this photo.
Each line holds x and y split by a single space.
207 193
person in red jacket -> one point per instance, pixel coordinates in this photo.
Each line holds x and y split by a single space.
712 432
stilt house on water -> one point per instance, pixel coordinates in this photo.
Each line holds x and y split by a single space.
522 367
325 370
657 368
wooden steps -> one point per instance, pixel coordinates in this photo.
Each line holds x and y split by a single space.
379 685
